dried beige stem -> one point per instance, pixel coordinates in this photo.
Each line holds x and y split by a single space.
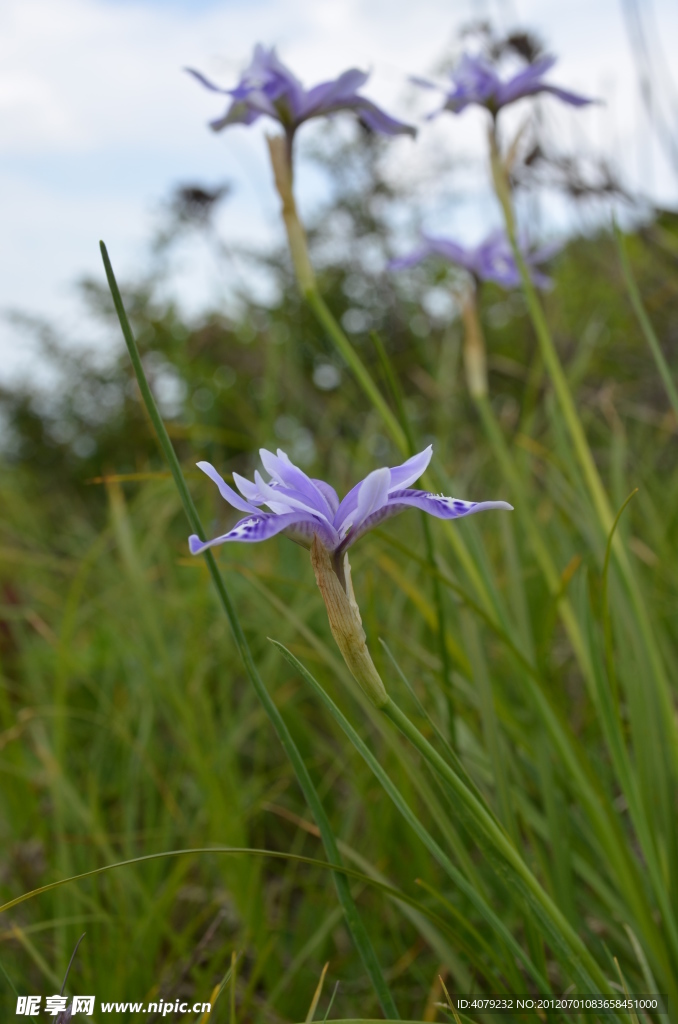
475 360
501 183
513 149
345 623
279 149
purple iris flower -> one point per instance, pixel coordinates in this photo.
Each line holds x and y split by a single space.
268 87
301 507
492 260
475 80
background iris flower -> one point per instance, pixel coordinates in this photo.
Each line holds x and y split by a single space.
268 87
492 260
476 80
301 507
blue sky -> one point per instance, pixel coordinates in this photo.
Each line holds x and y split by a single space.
98 122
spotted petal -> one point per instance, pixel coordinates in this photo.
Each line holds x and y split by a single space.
263 526
250 529
441 507
435 504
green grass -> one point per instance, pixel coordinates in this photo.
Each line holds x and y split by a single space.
532 841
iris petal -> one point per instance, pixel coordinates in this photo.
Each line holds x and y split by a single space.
248 490
373 494
435 504
287 496
282 469
383 493
253 529
403 476
226 492
267 86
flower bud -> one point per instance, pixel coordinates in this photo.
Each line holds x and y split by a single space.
345 622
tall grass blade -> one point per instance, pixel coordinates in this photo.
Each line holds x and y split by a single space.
353 920
316 995
645 322
472 895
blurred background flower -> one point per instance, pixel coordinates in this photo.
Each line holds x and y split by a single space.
98 125
492 260
269 88
478 81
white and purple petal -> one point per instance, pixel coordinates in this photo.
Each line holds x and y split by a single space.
284 472
451 251
372 495
434 504
475 80
323 98
268 87
248 490
492 260
329 494
253 529
575 99
399 477
377 120
237 113
414 258
347 514
404 475
530 82
440 506
303 530
298 513
288 496
226 492
526 83
205 81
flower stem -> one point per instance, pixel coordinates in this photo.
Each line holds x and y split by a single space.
583 452
353 920
296 238
548 349
475 358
